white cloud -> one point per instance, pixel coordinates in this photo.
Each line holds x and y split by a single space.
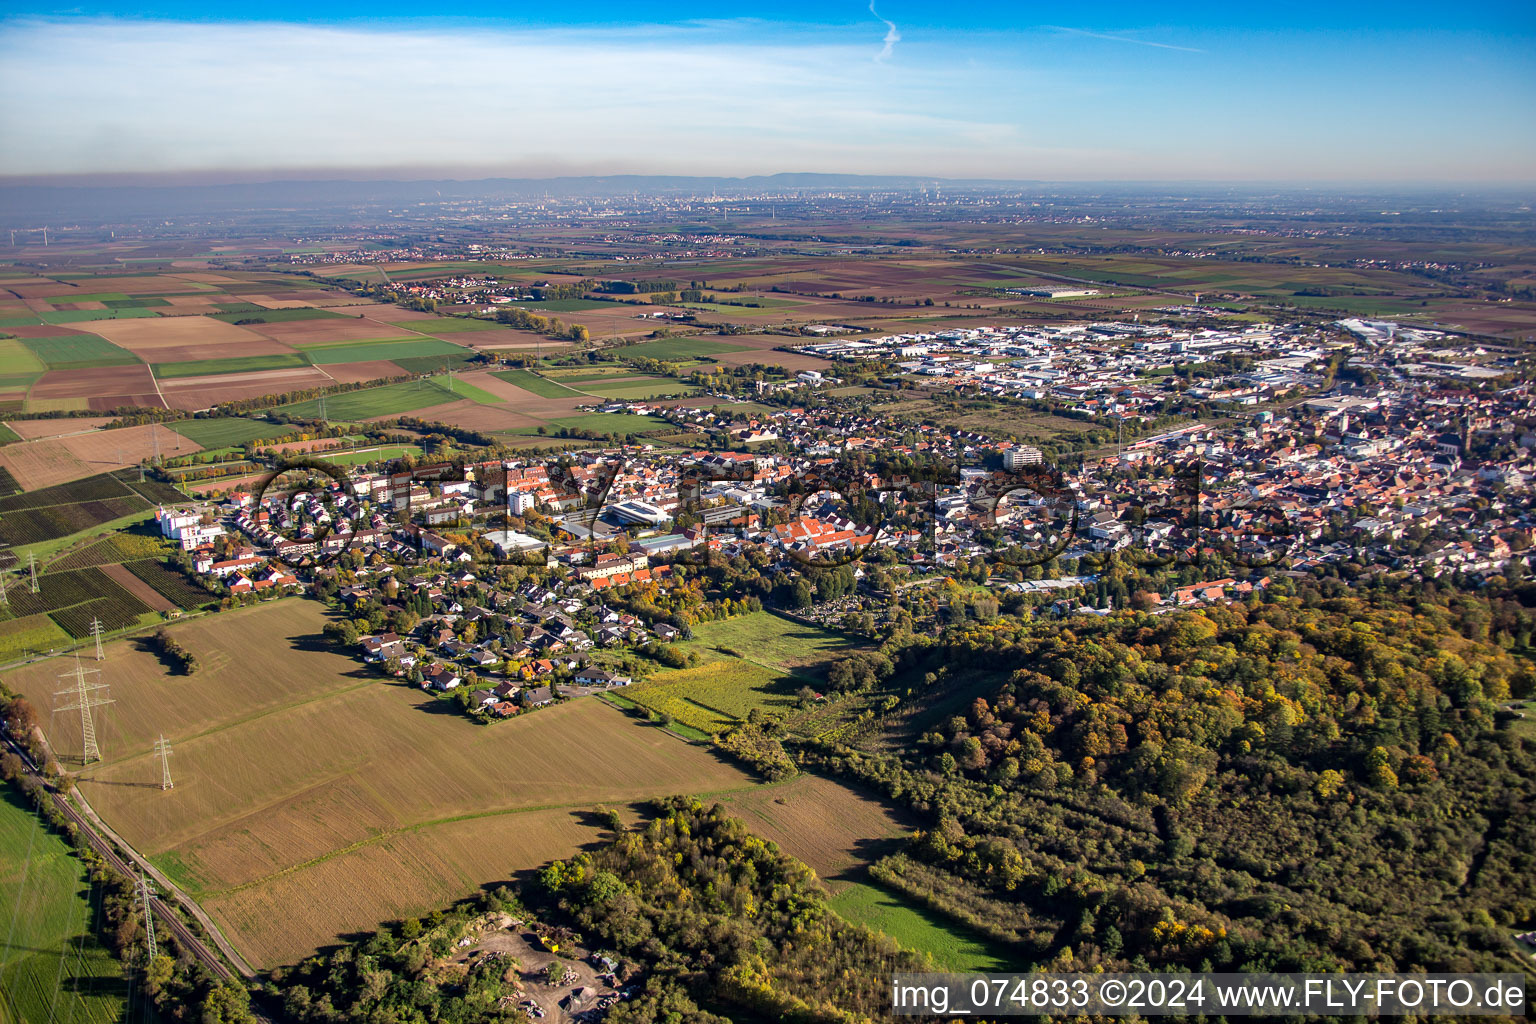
892 36
144 95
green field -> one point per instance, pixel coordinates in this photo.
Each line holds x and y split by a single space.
640 389
29 635
79 351
142 302
566 305
223 431
16 358
276 316
383 348
446 325
7 435
772 641
580 374
676 348
458 359
750 661
52 968
20 320
242 364
363 455
916 928
469 391
74 316
405 396
530 381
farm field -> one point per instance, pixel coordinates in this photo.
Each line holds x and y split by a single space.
382 348
221 432
48 518
78 351
678 348
363 455
386 400
772 641
58 460
535 383
375 778
238 364
52 968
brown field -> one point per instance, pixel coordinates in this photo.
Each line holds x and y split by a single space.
171 339
32 430
373 369
43 331
105 387
193 393
138 588
526 402
312 332
299 772
821 822
58 460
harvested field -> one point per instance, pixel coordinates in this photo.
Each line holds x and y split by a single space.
33 430
477 416
329 330
171 339
59 460
267 815
354 373
193 393
99 382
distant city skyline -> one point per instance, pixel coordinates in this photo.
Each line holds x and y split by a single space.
1374 92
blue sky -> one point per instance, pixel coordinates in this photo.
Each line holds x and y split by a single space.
1284 92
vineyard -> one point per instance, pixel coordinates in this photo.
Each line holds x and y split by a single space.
168 583
73 598
118 547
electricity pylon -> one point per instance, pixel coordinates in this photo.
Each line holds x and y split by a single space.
163 751
84 697
143 893
101 655
32 564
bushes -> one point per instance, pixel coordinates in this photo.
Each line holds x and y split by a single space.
173 653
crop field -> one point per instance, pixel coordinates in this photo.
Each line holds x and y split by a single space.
52 968
237 364
610 423
446 325
459 359
460 388
642 388
119 546
75 316
262 315
78 351
533 382
383 348
221 432
168 583
677 348
298 769
404 396
73 597
17 359
58 460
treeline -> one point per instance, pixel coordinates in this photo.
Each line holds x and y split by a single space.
520 319
173 653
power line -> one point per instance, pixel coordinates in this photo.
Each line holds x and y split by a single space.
84 698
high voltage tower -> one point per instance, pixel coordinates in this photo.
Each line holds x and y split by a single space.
143 893
163 752
83 696
101 655
32 564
